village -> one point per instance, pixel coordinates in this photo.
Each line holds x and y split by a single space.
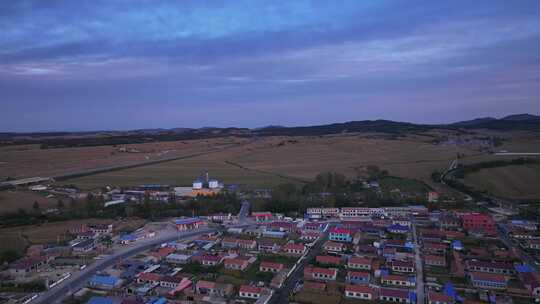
405 254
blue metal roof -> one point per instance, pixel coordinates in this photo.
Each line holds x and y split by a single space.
128 237
157 301
99 300
103 280
523 268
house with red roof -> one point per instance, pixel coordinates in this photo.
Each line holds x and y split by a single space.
439 298
435 260
236 264
398 280
271 267
246 244
361 292
318 273
484 280
330 246
478 222
214 289
403 266
148 278
308 235
294 249
434 248
314 286
28 265
394 295
161 253
490 267
357 277
266 245
261 216
328 260
359 263
250 292
208 259
340 235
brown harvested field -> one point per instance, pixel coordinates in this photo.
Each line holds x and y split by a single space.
12 201
267 161
518 182
30 160
272 160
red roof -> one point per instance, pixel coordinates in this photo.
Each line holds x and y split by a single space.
206 284
435 245
235 262
439 297
438 258
326 271
328 259
333 244
394 277
357 274
340 230
360 288
28 262
403 264
250 289
212 258
147 276
492 277
315 285
271 265
397 293
359 260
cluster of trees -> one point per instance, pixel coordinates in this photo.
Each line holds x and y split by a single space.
94 207
328 190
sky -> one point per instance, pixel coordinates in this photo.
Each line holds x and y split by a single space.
119 65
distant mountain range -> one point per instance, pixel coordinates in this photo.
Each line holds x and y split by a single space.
525 122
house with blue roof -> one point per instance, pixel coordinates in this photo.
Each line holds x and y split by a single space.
127 239
456 245
397 228
157 301
104 282
100 300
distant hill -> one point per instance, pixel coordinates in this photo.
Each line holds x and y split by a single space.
525 122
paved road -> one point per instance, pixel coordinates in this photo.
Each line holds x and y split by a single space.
78 280
419 268
281 296
244 212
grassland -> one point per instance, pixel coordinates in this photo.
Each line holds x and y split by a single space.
518 182
12 201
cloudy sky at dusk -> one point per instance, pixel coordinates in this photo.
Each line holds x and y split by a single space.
94 65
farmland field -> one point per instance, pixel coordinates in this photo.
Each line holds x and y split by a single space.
264 161
30 160
270 161
519 182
